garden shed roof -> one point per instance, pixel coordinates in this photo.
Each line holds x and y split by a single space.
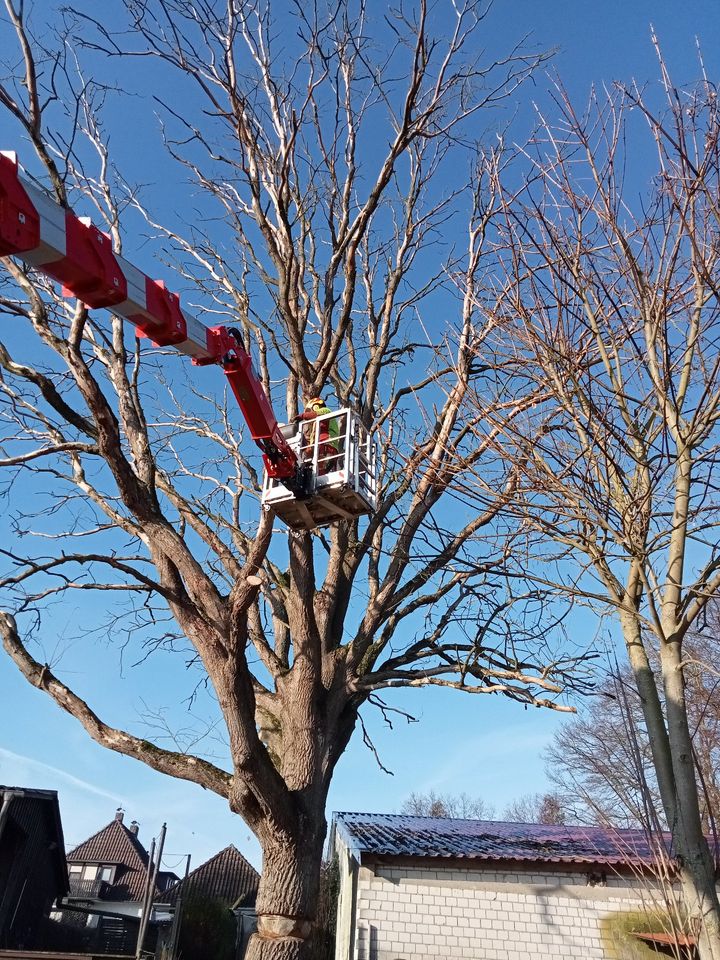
400 835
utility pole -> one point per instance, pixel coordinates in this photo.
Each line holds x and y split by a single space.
149 895
141 932
177 918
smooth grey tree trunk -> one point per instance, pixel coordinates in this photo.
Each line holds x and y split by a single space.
697 866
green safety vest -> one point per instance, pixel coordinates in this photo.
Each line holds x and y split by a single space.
333 426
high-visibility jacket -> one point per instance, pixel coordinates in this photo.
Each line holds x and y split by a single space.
329 429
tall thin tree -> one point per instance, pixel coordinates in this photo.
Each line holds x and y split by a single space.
603 285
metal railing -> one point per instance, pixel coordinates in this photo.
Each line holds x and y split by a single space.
338 442
341 460
88 889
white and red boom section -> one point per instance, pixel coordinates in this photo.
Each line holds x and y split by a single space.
80 257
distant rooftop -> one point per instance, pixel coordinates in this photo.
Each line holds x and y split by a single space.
227 876
399 835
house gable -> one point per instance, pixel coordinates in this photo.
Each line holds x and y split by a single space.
227 876
118 847
33 872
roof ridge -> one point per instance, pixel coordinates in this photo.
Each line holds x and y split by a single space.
28 791
88 839
131 838
229 861
209 860
229 848
136 843
342 814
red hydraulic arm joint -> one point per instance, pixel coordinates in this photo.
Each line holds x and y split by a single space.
19 220
227 350
169 325
89 271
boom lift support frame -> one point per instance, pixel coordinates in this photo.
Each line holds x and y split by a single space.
73 251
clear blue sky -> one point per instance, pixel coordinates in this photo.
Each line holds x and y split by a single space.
474 744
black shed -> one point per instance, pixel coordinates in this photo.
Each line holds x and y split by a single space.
33 872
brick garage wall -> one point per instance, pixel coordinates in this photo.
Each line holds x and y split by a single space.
434 913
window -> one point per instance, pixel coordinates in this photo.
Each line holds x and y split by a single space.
75 869
106 874
90 872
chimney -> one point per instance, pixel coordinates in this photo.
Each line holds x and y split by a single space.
119 814
134 827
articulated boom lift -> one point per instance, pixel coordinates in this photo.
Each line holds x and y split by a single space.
308 482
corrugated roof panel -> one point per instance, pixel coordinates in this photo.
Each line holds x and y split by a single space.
408 836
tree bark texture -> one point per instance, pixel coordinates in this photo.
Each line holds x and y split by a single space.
288 894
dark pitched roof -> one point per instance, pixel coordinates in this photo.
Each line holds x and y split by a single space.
166 879
407 836
116 845
49 798
227 876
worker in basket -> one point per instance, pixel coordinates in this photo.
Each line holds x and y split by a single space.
329 438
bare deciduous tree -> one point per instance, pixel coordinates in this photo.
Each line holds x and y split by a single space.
461 805
315 152
601 765
600 761
547 808
607 314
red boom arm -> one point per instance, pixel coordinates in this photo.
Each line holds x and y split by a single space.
279 458
70 249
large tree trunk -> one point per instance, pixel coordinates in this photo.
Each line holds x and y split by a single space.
288 894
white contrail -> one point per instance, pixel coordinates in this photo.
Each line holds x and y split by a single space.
46 768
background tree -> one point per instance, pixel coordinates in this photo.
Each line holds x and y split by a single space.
607 316
601 763
317 205
529 808
547 808
208 930
461 805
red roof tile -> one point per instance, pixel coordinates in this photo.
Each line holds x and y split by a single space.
667 939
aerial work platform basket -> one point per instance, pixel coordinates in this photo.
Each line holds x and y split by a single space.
338 457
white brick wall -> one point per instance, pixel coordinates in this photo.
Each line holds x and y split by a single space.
404 913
